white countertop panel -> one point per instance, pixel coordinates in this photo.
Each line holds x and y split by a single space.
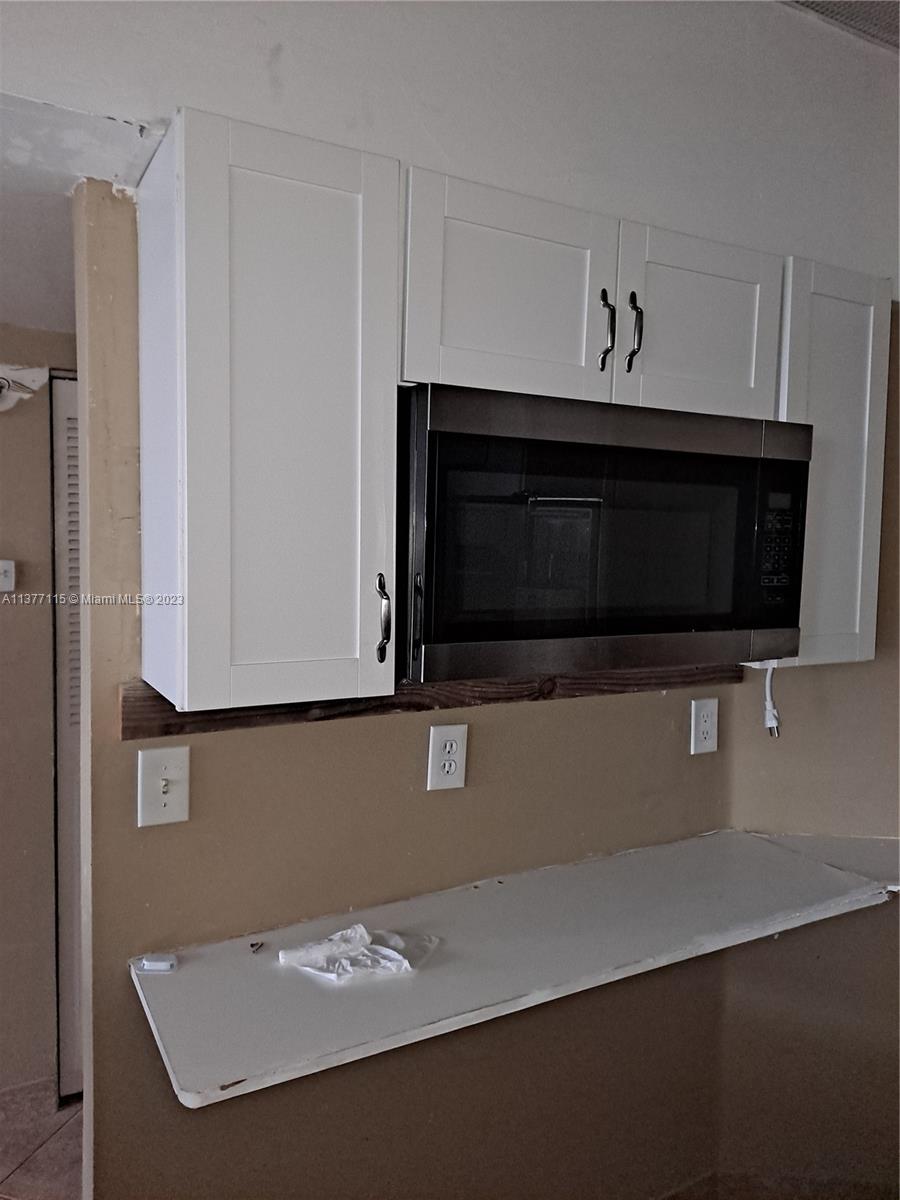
228 1021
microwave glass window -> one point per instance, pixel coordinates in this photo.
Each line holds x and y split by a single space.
669 548
548 539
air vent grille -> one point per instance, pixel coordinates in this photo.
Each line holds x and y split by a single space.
875 20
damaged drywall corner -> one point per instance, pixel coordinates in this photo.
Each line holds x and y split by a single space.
19 382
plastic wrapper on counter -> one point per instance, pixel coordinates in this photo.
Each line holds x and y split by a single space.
357 953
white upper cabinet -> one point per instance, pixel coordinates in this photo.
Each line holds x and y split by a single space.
505 291
834 375
269 330
704 318
509 292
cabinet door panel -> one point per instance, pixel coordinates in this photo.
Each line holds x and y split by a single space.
289 446
294 419
503 291
711 315
513 281
834 375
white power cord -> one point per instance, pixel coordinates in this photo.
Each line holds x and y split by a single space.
772 719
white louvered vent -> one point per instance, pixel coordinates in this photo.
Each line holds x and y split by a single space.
876 20
67 625
72 583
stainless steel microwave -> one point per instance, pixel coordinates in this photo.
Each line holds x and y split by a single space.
552 536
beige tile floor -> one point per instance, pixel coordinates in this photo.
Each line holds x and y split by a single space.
40 1145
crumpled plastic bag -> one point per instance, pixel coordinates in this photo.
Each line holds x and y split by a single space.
355 952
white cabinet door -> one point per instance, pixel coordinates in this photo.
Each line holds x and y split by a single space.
505 291
711 317
834 375
270 309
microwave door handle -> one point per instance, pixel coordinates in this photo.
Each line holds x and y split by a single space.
565 499
610 329
381 648
638 331
418 614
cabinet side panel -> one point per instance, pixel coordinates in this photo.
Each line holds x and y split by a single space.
160 560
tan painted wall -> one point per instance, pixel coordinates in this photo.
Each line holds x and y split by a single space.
809 1052
284 824
617 1089
27 946
834 770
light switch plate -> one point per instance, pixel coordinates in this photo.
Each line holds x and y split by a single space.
163 785
7 575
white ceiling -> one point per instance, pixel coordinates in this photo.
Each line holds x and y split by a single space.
44 151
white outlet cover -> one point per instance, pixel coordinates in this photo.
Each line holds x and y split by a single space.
447 757
163 785
704 726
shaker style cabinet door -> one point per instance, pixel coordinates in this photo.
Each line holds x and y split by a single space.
701 321
269 312
504 291
834 375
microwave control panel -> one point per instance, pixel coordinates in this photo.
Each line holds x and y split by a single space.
780 545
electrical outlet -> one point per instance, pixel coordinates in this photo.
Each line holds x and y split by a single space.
447 756
163 785
704 726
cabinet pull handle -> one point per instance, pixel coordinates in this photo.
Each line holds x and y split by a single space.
610 329
381 648
638 331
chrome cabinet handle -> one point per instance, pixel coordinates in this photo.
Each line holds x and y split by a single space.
610 329
638 331
381 648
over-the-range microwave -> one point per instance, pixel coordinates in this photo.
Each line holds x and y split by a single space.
554 536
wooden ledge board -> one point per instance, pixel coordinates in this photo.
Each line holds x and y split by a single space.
144 713
229 1021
